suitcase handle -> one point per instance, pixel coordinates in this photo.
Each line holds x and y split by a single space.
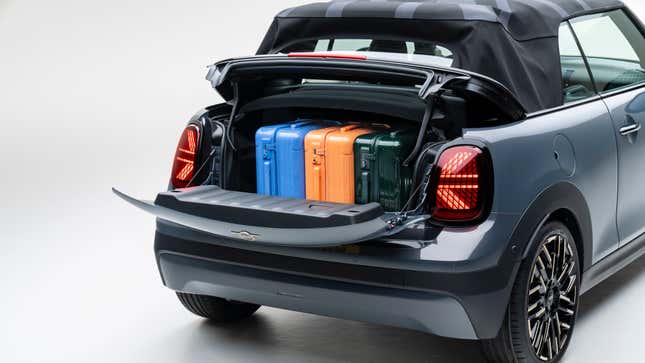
382 126
266 176
349 127
365 179
318 194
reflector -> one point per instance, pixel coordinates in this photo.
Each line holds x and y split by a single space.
184 163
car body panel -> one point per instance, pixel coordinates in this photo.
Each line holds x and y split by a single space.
525 164
628 109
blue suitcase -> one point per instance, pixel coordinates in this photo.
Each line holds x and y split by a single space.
280 160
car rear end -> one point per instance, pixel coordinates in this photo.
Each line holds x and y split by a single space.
428 278
440 261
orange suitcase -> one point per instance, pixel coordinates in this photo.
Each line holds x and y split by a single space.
329 162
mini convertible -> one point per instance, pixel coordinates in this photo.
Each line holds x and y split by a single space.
527 170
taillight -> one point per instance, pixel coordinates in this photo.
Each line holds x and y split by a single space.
462 184
183 168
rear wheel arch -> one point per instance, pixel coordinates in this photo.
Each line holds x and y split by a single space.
545 296
569 219
561 202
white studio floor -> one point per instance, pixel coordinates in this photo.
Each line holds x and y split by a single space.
94 95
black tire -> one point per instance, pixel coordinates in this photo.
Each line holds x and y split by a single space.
541 303
216 309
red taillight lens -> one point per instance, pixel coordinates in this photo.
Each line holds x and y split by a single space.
183 167
463 180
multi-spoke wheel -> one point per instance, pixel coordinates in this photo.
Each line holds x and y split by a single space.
544 302
552 297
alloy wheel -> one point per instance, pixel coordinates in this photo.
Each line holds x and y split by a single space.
552 297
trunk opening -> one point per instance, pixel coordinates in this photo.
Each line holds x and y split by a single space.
434 104
398 107
354 163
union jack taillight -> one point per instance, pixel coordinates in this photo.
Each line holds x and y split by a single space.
462 186
183 167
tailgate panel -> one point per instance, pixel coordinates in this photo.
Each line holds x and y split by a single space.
264 210
270 220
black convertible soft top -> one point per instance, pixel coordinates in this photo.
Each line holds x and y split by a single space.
512 41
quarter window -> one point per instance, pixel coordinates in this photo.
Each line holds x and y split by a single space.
614 47
576 82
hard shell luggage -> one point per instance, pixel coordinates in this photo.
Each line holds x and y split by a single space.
280 162
329 162
379 172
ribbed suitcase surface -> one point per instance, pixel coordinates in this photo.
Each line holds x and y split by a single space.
280 161
329 162
379 174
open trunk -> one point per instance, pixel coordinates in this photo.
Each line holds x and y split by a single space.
435 104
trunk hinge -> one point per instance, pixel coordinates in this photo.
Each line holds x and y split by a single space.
399 219
430 93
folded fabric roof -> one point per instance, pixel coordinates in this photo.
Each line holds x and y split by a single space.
524 19
512 41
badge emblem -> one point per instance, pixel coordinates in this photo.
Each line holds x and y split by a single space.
245 235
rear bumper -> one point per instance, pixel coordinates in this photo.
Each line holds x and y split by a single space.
431 312
438 297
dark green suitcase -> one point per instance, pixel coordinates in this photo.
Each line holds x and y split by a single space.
378 171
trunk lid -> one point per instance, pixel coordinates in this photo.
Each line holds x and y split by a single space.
430 79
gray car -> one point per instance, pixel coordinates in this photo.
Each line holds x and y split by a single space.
527 170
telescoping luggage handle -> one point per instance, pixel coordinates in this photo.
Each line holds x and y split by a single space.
268 154
365 180
266 175
317 183
365 157
318 162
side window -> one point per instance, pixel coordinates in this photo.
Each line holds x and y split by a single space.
351 44
614 47
576 82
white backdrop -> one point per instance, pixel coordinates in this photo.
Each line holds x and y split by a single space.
95 94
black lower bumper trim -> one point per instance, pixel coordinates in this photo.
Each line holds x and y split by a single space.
484 294
462 283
